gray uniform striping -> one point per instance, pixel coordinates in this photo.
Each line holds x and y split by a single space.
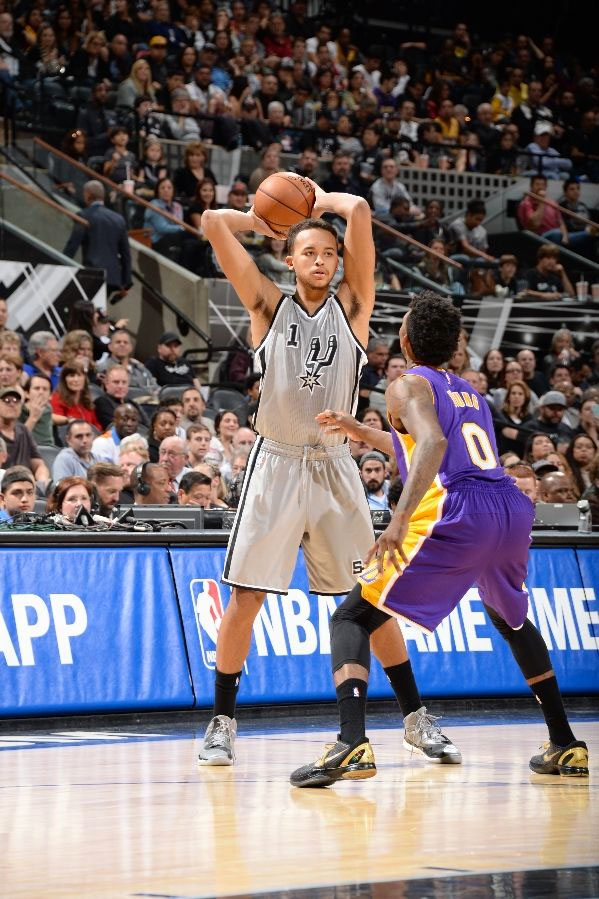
308 364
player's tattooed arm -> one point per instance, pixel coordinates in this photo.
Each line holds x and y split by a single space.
355 430
412 409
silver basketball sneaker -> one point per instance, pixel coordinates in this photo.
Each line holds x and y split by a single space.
423 735
219 742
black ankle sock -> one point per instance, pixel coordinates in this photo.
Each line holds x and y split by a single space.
401 678
225 693
549 697
351 699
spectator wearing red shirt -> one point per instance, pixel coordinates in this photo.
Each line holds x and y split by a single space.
72 399
539 217
276 42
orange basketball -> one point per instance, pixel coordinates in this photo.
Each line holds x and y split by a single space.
283 199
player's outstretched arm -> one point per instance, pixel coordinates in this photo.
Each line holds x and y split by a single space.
355 430
256 292
411 407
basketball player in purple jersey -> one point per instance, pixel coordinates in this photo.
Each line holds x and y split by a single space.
459 521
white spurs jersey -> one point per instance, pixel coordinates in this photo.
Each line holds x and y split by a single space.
308 363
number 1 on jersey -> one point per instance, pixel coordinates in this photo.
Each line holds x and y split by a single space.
478 445
292 335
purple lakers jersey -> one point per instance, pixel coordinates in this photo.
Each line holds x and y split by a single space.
467 425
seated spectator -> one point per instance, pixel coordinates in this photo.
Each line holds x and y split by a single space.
548 280
44 353
163 424
181 125
116 392
195 489
450 127
492 367
203 199
21 447
346 137
539 445
69 495
580 235
555 487
11 371
90 63
525 480
459 361
374 370
37 411
193 410
167 367
430 227
270 162
152 169
503 159
584 145
589 419
226 424
95 119
150 485
438 271
371 418
580 454
3 457
506 276
243 440
511 374
172 454
470 239
125 422
543 157
323 138
198 444
341 179
138 84
394 367
121 354
386 188
72 398
512 417
536 380
539 217
206 96
488 133
218 485
77 457
592 492
549 415
119 163
133 450
74 146
106 480
17 492
562 349
529 110
78 346
372 473
165 233
271 262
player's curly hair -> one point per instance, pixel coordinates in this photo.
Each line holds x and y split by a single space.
433 328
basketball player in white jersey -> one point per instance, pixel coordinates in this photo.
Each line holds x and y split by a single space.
302 487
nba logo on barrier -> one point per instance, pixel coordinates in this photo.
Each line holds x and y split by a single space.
208 610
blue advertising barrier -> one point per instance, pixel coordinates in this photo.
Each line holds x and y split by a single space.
90 630
289 658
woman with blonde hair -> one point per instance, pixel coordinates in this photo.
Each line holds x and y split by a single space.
89 64
138 84
77 346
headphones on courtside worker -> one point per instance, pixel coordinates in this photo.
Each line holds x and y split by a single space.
141 486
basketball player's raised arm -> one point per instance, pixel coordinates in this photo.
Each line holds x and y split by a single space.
256 292
412 409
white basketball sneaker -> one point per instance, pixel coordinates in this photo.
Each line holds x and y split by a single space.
423 735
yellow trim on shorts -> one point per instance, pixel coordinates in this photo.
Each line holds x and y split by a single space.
428 513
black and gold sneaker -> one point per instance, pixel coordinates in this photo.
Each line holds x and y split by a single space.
340 761
568 761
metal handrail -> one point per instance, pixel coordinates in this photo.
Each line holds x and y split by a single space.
582 261
562 209
95 176
417 276
416 243
42 199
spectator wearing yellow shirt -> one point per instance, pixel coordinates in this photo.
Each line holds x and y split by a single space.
450 127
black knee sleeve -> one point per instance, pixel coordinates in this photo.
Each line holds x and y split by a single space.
527 645
351 626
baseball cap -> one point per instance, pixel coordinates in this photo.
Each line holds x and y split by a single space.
238 187
209 46
158 41
543 467
10 391
543 128
169 337
553 398
371 457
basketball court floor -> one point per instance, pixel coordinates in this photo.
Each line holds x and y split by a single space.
125 812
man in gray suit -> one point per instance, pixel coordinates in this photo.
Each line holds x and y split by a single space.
105 242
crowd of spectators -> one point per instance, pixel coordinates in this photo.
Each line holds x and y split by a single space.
85 423
247 74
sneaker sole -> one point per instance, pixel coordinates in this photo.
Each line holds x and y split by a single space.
449 759
325 778
221 761
562 771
